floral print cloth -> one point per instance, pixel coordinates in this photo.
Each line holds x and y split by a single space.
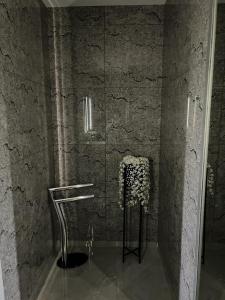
135 173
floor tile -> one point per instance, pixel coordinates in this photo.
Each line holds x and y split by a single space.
106 277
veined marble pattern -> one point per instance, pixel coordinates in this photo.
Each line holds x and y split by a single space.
134 15
88 56
91 16
21 39
84 214
133 56
184 94
117 61
25 164
133 115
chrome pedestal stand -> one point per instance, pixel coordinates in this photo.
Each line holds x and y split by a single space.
68 260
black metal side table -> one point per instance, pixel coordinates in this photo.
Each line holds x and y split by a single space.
137 251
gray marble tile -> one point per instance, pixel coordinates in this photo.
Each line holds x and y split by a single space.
132 115
134 15
178 45
60 60
114 220
60 48
59 21
85 163
25 215
185 68
64 116
7 19
114 223
21 48
115 153
68 115
30 232
90 212
88 56
133 56
87 16
20 97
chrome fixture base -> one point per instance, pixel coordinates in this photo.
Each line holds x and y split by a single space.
73 260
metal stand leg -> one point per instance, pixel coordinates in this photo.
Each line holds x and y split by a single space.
126 248
124 223
67 260
64 235
140 234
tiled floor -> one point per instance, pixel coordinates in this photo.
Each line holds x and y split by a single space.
105 277
212 285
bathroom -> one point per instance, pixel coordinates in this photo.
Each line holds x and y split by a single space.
83 85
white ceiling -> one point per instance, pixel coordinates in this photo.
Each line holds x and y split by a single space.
63 3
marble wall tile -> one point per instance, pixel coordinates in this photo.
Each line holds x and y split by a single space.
25 171
20 44
83 214
185 61
7 225
59 21
60 49
132 115
178 45
134 15
88 56
85 163
115 153
87 16
126 118
22 97
33 222
133 56
64 115
114 221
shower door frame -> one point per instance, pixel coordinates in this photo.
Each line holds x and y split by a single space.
202 186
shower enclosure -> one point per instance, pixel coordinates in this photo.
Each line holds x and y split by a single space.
81 86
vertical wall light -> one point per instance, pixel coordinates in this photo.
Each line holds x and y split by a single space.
87 114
